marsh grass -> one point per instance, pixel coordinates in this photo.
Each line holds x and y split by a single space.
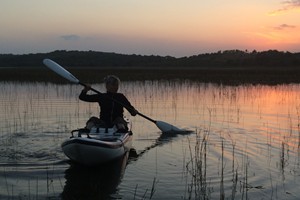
200 186
197 168
217 162
235 76
146 195
298 125
31 187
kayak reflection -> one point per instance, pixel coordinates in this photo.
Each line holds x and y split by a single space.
99 182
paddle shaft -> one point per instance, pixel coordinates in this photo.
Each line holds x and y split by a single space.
148 118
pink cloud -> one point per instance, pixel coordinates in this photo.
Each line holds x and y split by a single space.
284 26
287 6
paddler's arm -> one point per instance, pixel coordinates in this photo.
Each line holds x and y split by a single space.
129 107
86 97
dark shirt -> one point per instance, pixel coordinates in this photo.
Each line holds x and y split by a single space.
111 104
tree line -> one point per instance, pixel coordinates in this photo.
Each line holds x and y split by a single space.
220 59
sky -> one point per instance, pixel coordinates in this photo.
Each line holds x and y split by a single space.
149 27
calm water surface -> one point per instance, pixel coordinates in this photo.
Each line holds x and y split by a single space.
244 143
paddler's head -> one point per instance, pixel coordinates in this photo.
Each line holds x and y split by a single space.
112 83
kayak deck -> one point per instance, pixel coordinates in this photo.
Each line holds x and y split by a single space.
98 146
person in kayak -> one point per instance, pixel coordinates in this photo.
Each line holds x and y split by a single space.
111 104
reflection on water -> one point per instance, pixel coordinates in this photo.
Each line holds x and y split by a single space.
101 182
244 142
93 182
164 138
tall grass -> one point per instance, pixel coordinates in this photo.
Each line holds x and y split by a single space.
208 75
197 168
218 164
146 195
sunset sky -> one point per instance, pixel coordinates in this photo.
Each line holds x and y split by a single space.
149 27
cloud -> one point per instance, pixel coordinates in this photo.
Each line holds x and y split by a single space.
284 27
71 37
287 6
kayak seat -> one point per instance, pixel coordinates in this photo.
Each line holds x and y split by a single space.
80 131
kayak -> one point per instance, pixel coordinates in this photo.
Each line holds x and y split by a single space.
97 146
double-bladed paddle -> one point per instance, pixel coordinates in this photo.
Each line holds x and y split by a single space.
163 126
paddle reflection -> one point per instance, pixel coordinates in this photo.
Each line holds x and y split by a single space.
164 138
93 182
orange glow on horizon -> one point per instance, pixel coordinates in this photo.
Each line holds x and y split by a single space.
274 38
150 27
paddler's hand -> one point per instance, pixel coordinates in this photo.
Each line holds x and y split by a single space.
134 112
86 88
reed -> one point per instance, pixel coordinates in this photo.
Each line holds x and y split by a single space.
6 183
145 194
298 125
216 159
199 186
222 192
197 168
231 76
234 185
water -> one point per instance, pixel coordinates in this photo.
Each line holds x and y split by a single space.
244 143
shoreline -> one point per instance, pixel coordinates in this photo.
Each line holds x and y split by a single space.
231 76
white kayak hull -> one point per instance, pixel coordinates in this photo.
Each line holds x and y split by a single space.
97 149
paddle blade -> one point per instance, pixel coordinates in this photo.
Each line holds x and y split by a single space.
60 70
165 127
